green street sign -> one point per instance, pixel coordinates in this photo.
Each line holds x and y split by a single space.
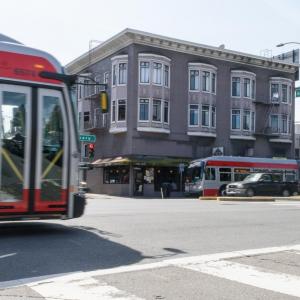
297 92
88 138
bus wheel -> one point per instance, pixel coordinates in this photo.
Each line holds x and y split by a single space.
285 193
250 193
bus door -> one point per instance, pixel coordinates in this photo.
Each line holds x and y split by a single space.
51 192
15 147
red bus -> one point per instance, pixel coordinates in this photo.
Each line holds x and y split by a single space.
209 176
38 137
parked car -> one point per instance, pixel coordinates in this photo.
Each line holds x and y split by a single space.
262 184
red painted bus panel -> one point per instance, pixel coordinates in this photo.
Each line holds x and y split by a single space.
25 67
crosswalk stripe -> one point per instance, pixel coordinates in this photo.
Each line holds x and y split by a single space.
82 289
257 277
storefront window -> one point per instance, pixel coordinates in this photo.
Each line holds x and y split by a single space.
116 175
149 176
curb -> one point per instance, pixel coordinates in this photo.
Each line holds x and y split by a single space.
247 199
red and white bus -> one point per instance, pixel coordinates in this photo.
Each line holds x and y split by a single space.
38 137
209 176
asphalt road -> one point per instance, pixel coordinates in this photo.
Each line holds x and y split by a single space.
151 248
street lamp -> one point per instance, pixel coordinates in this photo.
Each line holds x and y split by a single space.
283 44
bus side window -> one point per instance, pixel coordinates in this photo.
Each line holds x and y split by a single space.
225 174
210 174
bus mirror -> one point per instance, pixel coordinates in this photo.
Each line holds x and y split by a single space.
104 102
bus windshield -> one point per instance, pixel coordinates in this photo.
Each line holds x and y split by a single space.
195 172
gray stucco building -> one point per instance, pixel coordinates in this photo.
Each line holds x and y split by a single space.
172 101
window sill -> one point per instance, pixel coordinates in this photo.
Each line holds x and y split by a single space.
152 129
284 141
117 130
203 134
242 137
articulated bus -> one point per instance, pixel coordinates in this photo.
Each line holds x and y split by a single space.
209 176
38 137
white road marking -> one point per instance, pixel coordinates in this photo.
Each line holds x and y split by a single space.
297 204
81 289
257 277
82 285
7 255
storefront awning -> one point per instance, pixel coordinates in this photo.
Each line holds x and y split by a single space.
144 160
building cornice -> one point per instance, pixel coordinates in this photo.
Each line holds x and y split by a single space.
130 36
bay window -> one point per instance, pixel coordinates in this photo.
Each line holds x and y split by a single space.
235 119
122 73
284 93
284 124
274 123
253 121
205 116
275 92
144 110
213 117
114 75
121 110
205 81
156 111
235 87
247 87
213 82
166 76
144 72
194 80
194 115
166 112
246 120
157 73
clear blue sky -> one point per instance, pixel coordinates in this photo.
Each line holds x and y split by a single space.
65 27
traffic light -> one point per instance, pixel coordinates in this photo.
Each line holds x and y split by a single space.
104 102
91 149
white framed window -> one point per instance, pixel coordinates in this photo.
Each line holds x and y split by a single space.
166 76
252 121
205 81
247 87
284 93
235 86
113 111
253 89
144 72
213 116
157 73
213 83
97 88
274 92
193 115
289 124
106 77
114 75
274 123
235 119
121 110
156 110
122 73
205 116
194 80
144 110
290 95
284 124
246 120
166 112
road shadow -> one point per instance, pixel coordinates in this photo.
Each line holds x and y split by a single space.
33 249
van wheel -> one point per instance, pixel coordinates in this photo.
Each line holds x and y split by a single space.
250 192
286 193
